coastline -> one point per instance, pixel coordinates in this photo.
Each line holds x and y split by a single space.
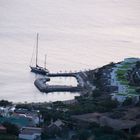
83 85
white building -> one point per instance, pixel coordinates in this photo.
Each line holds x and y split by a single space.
119 97
122 97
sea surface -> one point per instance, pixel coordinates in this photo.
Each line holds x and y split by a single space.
75 35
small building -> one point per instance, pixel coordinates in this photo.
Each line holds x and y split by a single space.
69 102
122 97
119 97
30 133
5 111
55 127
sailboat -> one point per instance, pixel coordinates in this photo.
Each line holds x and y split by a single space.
38 69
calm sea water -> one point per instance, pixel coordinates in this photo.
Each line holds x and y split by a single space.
75 35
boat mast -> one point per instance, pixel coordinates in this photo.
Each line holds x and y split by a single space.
45 61
37 50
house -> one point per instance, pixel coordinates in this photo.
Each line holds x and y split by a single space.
30 133
5 111
33 115
55 127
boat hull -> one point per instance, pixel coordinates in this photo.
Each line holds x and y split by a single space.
39 70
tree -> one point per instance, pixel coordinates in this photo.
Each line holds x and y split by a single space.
138 64
109 104
11 128
5 103
83 134
94 125
25 106
96 93
136 129
107 137
128 101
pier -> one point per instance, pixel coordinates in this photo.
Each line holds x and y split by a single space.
41 84
62 74
81 77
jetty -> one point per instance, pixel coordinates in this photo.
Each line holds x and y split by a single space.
41 84
81 77
62 74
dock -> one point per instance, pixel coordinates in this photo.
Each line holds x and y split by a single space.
62 74
41 84
81 77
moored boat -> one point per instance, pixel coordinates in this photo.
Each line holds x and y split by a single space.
38 69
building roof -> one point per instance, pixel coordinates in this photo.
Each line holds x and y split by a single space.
30 130
58 123
19 121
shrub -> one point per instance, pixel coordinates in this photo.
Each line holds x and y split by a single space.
5 103
109 104
96 93
11 128
128 101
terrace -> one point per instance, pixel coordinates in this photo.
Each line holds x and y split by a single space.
119 78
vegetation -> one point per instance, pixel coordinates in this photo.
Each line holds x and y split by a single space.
5 103
117 114
121 74
11 128
127 102
90 105
83 134
136 129
8 137
138 64
93 102
126 65
96 93
25 106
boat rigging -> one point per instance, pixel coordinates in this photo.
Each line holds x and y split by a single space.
38 69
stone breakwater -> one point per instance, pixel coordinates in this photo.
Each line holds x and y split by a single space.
43 86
